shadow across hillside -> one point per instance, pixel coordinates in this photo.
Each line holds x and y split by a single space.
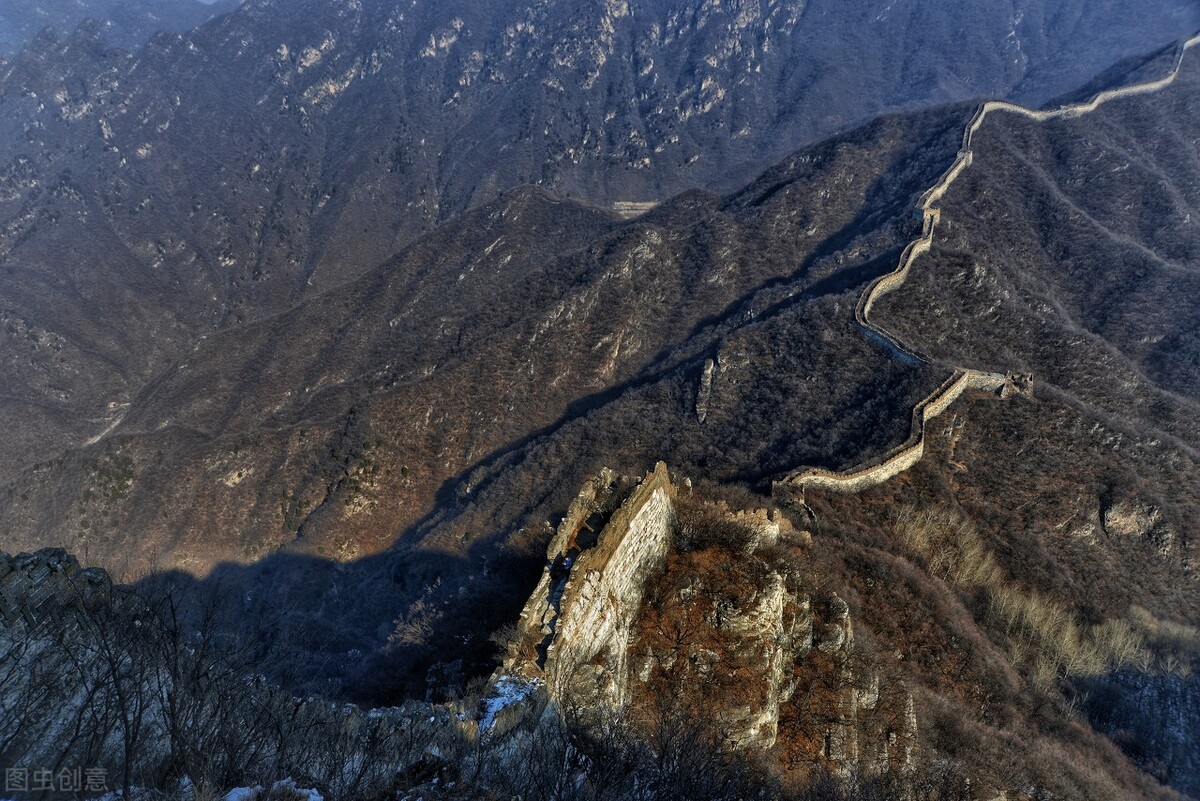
376 630
414 620
767 301
1153 718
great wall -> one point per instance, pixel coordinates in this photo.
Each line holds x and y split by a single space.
576 642
597 567
576 629
575 634
963 379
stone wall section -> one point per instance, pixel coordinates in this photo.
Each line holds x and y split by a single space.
578 643
912 450
963 379
539 617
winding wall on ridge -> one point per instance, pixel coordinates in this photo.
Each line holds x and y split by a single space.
910 452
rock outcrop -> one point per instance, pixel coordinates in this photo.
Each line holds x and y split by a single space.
575 629
654 596
704 390
39 586
870 728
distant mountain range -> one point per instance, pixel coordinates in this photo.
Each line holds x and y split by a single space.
221 176
339 303
125 23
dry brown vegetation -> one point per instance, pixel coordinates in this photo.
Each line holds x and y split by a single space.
1066 249
696 663
1041 632
999 593
980 593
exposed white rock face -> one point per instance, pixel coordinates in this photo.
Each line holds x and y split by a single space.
575 628
841 631
704 390
775 629
588 657
1130 519
1135 519
584 643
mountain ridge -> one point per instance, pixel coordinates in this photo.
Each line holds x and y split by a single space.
352 136
386 458
963 378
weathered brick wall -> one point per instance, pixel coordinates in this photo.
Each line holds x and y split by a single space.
604 597
911 451
575 627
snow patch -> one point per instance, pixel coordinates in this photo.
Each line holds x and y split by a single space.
243 793
508 691
283 790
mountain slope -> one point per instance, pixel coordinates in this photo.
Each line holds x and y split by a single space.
529 315
125 23
1094 289
1030 583
287 148
1067 247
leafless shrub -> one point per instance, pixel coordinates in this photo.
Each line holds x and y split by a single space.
951 546
704 526
1042 633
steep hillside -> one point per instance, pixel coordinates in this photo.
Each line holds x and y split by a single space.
336 428
718 327
1033 556
675 638
1052 518
1077 237
219 177
369 471
125 23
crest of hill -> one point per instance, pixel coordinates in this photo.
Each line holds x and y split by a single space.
285 149
530 314
1092 290
125 23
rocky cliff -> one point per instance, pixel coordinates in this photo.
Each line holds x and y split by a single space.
640 612
577 626
37 587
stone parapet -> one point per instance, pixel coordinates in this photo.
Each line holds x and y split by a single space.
910 452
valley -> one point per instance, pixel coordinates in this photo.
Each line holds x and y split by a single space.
633 401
